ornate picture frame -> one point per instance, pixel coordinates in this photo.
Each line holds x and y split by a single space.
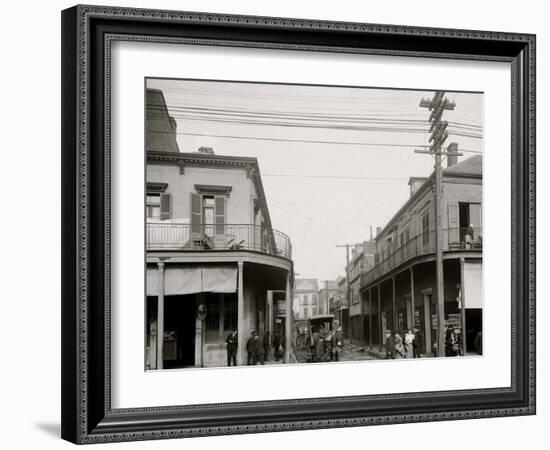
88 33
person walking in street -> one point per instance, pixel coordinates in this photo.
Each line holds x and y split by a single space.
232 345
251 349
399 349
408 342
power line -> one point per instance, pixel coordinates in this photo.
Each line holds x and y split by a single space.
308 141
335 177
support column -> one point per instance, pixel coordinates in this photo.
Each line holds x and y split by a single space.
394 310
380 330
362 324
270 313
412 297
288 320
462 307
370 318
160 318
240 317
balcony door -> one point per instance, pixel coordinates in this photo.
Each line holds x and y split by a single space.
208 217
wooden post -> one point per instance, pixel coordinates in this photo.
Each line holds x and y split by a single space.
240 317
370 319
288 320
462 307
380 330
412 297
394 310
160 318
270 313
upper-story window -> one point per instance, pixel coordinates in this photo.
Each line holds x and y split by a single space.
426 228
158 204
208 214
153 206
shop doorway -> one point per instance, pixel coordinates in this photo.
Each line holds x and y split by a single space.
179 331
474 324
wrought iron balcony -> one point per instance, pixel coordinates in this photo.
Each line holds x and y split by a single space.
221 236
454 239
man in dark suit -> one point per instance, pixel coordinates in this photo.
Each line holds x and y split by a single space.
232 345
251 349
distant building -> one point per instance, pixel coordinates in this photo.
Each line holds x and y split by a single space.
339 305
362 260
306 299
214 261
401 287
328 289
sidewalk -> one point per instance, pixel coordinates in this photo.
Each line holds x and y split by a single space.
373 351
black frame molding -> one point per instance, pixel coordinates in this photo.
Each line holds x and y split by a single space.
87 33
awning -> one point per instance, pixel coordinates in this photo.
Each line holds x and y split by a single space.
472 285
192 280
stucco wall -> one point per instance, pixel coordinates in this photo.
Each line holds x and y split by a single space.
239 204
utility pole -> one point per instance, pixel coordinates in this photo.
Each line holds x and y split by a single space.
439 134
348 287
326 297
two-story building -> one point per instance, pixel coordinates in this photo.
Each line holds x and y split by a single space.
306 298
339 305
214 261
362 259
401 287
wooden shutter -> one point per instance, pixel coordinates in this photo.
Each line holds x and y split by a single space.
196 229
453 227
165 206
219 214
475 218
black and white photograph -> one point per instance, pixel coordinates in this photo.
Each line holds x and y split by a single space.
297 224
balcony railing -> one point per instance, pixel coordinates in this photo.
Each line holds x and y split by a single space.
222 236
454 239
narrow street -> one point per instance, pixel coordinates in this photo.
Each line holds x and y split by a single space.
351 352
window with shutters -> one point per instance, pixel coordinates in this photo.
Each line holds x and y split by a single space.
208 214
403 243
165 206
153 206
426 228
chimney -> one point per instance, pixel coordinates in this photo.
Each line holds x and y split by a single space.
378 230
452 159
206 150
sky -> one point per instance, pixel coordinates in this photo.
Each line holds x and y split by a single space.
335 161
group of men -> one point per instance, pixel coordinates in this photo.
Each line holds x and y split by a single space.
410 345
257 348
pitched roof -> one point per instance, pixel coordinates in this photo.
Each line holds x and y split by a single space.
471 165
161 127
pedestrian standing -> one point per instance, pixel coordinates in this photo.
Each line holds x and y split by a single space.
478 343
399 349
338 343
390 344
418 343
267 343
259 349
276 344
232 345
251 349
408 342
